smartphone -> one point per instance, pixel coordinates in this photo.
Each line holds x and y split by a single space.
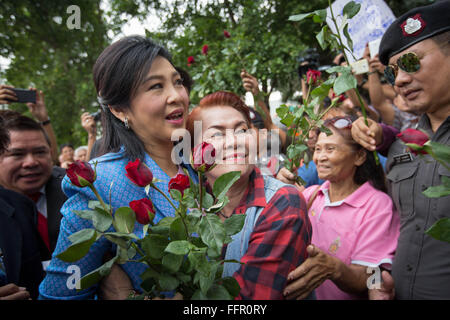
24 95
374 47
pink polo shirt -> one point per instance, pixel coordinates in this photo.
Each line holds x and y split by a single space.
362 229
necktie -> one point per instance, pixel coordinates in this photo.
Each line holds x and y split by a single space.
41 222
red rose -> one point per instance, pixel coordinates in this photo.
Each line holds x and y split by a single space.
180 182
226 34
414 136
144 209
204 156
205 49
139 173
190 60
312 76
81 173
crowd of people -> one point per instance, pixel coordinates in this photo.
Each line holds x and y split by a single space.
318 240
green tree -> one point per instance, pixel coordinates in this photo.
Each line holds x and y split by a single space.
48 55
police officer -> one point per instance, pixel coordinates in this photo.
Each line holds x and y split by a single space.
416 51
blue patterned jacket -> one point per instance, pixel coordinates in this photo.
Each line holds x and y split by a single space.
58 283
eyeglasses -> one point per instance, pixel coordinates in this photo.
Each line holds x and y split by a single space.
409 62
339 122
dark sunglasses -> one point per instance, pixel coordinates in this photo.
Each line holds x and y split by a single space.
339 122
409 62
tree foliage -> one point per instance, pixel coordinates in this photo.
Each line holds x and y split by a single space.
46 54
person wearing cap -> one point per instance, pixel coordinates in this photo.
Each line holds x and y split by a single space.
416 51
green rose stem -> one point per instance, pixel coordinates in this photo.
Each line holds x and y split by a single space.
91 186
341 43
176 209
200 190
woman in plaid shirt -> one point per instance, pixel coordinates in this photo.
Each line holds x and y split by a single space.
277 230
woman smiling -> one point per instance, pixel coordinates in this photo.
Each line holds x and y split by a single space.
353 219
276 230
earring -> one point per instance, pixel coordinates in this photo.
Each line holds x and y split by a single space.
125 122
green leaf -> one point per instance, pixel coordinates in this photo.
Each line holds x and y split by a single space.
101 220
282 111
439 191
218 292
172 262
180 247
167 282
301 16
351 9
344 82
80 247
207 199
234 224
95 276
176 195
124 220
82 236
441 151
212 231
198 295
320 16
177 230
206 281
115 238
154 245
224 182
440 230
287 120
348 37
232 286
322 37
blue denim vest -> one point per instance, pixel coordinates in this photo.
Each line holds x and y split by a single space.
238 247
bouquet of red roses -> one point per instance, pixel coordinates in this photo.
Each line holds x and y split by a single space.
182 253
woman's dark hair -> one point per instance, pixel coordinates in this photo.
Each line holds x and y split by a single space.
369 170
118 72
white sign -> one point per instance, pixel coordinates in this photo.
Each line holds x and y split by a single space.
372 20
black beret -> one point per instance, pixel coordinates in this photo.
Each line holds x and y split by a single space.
414 26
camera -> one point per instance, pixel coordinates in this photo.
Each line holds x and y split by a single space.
96 115
311 56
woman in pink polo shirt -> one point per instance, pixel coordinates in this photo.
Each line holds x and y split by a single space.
354 222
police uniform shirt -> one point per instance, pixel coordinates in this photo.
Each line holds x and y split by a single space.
421 267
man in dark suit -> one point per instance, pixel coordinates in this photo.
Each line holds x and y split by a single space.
27 168
21 248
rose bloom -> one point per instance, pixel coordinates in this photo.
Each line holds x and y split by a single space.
205 49
190 60
81 173
139 173
414 136
180 182
144 210
204 156
312 76
226 34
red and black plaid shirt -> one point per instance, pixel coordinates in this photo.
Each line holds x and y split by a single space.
278 242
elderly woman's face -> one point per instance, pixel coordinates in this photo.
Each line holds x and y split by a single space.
335 158
227 130
81 155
